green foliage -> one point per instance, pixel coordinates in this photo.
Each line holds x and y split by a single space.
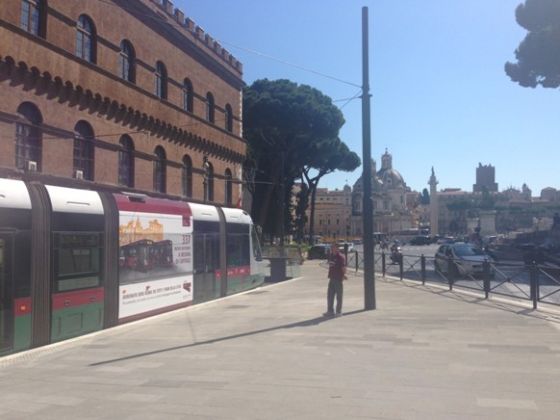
297 125
538 55
425 197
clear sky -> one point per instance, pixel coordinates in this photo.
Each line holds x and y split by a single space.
440 93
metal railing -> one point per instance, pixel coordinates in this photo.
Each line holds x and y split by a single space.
531 282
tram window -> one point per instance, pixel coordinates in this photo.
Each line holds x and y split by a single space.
22 264
237 245
77 262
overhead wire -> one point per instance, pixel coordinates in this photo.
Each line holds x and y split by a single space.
246 49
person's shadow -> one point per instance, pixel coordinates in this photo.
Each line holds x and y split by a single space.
307 323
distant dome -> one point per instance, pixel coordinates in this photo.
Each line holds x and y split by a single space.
391 178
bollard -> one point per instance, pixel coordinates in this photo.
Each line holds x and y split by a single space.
401 267
357 261
423 268
450 272
534 277
383 263
486 278
346 252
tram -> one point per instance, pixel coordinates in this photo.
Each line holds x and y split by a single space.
75 261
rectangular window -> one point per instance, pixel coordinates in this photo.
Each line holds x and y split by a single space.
77 260
238 245
79 44
25 10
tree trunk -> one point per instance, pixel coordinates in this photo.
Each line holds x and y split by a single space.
313 189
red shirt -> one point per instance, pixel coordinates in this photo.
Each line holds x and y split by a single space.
337 263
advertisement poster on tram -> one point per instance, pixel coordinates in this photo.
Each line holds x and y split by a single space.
155 262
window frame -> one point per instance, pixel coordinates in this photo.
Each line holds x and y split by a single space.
228 190
84 150
188 95
161 80
229 118
160 170
33 17
28 136
187 177
210 108
127 61
86 39
126 161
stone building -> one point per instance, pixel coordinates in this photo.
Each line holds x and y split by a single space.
333 211
116 94
389 192
485 178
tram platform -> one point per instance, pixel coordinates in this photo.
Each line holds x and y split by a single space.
425 353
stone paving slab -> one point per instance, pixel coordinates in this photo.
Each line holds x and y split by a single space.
269 354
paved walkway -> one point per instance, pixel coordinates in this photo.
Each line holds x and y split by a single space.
268 354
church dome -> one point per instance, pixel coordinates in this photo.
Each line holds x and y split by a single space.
391 178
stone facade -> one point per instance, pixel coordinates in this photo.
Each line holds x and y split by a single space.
485 178
389 195
333 211
181 92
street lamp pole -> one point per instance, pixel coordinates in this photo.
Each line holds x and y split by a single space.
369 274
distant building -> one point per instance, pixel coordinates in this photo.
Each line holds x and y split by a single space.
485 178
389 196
550 194
333 209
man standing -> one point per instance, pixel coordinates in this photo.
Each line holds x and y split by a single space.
337 273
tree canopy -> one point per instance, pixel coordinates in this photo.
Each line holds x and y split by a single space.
291 129
538 55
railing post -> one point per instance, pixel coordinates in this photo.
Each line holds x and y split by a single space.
449 272
534 277
401 263
383 263
486 278
357 261
423 268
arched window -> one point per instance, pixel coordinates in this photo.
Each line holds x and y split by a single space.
160 170
161 80
84 150
208 181
127 59
228 187
29 138
187 176
85 39
126 162
188 94
229 118
210 107
33 17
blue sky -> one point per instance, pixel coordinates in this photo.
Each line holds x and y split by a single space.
440 93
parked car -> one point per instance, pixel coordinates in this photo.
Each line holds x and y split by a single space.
461 259
421 240
318 252
342 244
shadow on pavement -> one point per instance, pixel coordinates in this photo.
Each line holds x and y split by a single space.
458 296
307 323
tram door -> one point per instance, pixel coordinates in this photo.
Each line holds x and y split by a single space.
6 298
206 266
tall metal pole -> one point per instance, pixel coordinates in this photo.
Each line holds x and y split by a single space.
369 274
283 200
